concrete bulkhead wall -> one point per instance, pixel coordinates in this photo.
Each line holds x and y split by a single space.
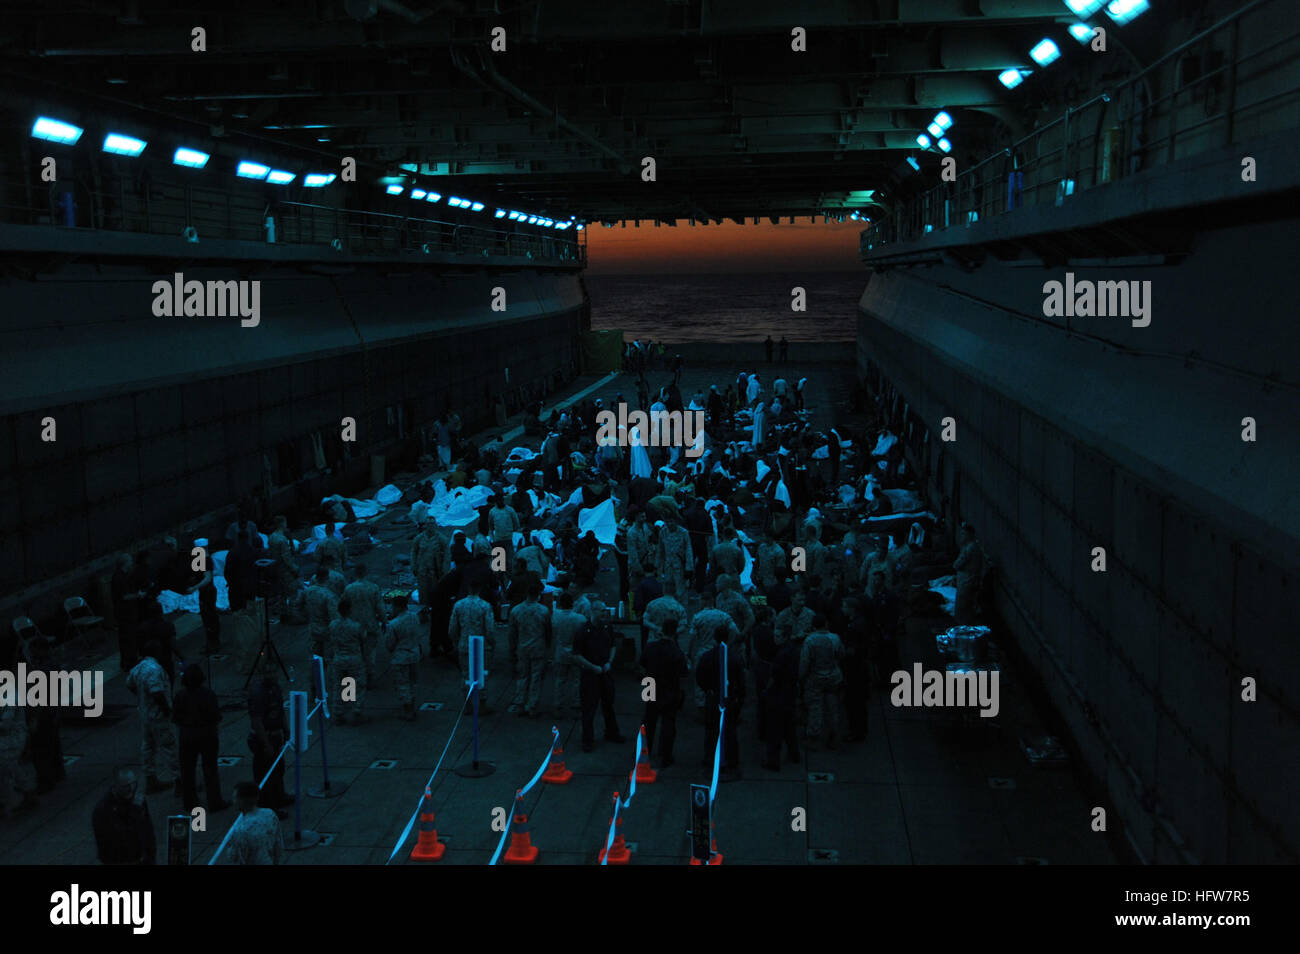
1064 444
162 420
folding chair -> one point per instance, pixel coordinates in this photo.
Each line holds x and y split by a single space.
81 621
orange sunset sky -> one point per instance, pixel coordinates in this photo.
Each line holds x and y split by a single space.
728 247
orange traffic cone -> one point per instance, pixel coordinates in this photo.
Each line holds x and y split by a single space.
715 860
619 853
521 851
644 773
555 771
427 846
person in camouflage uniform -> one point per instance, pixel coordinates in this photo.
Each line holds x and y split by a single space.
674 559
430 561
280 549
331 546
367 609
346 646
322 609
566 623
640 551
530 634
770 566
403 642
472 616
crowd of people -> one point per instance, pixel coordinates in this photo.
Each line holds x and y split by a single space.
779 549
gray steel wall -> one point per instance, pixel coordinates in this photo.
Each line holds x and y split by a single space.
161 420
1144 662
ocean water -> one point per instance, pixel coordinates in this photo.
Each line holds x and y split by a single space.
735 307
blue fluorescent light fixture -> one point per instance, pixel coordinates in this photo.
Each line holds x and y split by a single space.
1011 78
943 121
1084 8
453 200
394 190
1081 32
477 207
1045 52
252 170
280 177
945 145
121 145
580 227
923 141
513 215
911 161
55 130
418 194
1122 11
314 180
190 157
499 214
935 130
532 220
433 197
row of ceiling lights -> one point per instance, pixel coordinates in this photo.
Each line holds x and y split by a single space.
456 201
1045 51
59 131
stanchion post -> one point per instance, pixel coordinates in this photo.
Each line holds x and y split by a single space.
476 681
322 702
298 720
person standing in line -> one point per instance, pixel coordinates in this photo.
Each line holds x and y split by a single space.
346 645
708 677
148 680
530 636
472 616
665 663
767 347
819 671
266 725
781 696
197 715
566 623
367 610
593 652
785 350
256 838
123 830
403 643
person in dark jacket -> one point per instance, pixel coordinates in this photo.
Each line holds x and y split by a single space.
123 831
663 661
782 698
241 572
197 715
586 558
708 676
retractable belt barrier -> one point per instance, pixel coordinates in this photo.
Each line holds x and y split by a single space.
406 832
555 736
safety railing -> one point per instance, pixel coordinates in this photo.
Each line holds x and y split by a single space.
194 213
1204 94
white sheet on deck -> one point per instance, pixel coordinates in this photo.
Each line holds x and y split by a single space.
600 520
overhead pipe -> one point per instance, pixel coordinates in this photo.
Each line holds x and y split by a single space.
502 84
